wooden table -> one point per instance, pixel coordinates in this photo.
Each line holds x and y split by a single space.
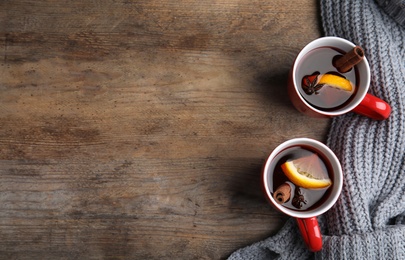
137 129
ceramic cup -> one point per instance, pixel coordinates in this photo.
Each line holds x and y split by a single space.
306 219
362 102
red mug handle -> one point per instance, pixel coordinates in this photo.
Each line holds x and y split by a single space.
373 107
311 233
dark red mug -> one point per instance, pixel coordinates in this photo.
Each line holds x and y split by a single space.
306 219
362 102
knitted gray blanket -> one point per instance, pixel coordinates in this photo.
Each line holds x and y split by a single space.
368 221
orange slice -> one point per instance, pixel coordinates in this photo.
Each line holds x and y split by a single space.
307 172
336 82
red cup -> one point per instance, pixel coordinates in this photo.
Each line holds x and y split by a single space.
362 102
306 219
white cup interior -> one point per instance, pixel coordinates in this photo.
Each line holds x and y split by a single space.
363 68
335 167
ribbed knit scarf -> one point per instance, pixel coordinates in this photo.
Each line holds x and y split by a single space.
368 221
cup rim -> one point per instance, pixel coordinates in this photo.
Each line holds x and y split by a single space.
353 103
338 175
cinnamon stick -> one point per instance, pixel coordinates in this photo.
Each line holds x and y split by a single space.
282 193
349 60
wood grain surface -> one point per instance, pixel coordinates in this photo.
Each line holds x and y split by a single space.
138 129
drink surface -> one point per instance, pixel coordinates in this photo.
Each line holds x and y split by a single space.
301 198
320 62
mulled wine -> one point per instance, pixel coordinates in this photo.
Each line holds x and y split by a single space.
309 162
322 85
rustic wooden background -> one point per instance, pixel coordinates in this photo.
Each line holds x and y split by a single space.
137 129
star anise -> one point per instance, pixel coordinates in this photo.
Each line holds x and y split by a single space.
309 84
298 199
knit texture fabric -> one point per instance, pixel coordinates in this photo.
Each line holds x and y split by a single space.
368 220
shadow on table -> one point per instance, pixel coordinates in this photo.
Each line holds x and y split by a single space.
246 189
274 88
